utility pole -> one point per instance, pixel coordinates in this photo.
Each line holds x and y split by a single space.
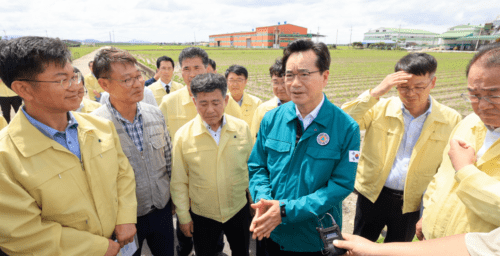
46 33
397 38
194 37
480 31
350 39
5 34
317 38
110 39
337 38
114 38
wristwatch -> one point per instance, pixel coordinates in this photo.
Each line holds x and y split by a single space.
282 211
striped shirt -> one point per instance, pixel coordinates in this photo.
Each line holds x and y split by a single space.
133 129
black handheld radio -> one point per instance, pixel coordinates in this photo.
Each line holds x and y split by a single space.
328 235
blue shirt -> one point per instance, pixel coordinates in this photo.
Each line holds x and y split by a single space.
68 138
311 177
413 128
133 129
149 81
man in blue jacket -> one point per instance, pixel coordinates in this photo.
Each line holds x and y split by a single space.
304 161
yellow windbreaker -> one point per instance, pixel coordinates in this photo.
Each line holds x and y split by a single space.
259 114
3 122
5 91
178 108
468 200
248 107
51 203
92 84
384 125
213 177
159 91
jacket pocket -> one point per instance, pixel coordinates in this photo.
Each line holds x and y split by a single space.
158 145
277 151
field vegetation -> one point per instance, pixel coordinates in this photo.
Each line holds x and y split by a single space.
352 71
77 52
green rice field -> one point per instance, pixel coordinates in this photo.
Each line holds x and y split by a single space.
351 71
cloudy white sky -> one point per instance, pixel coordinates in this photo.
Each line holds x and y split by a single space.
181 20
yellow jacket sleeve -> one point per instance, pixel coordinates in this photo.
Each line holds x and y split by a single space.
360 109
24 232
179 186
480 193
125 182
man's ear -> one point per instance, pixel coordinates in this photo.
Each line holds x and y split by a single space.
104 83
226 100
24 89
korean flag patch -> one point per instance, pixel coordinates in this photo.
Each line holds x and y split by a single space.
353 156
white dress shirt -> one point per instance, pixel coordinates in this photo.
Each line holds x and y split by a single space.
216 134
306 121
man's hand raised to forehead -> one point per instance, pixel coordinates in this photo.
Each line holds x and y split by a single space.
390 81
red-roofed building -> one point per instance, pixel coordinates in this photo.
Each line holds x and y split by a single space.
277 36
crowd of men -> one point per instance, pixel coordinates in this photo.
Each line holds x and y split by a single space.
78 177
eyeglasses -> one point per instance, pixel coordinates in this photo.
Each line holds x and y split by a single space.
65 83
475 99
417 90
303 75
236 81
278 83
129 81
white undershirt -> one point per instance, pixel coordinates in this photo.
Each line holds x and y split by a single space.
490 138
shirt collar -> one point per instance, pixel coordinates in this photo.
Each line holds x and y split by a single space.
165 85
279 101
429 110
313 113
220 127
119 116
49 131
241 100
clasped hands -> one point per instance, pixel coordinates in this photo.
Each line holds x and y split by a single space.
267 218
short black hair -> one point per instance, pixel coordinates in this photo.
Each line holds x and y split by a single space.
276 69
26 57
320 49
76 70
208 83
492 54
105 57
164 58
212 63
193 52
419 64
238 70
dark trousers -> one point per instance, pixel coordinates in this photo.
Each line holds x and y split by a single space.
207 232
7 102
157 227
273 249
185 245
387 210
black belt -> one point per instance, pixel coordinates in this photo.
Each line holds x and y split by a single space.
393 192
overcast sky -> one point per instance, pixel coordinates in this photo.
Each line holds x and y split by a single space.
181 20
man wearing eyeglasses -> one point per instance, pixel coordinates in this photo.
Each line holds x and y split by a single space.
280 96
464 195
405 137
237 77
65 185
300 168
86 105
146 143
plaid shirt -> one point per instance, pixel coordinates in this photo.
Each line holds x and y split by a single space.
134 129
